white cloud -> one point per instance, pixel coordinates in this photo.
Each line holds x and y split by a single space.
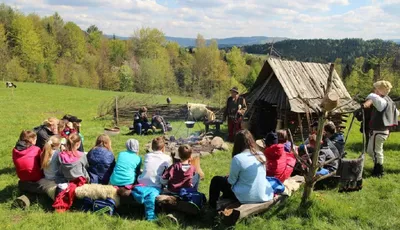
226 18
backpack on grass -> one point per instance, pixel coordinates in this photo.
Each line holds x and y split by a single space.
99 206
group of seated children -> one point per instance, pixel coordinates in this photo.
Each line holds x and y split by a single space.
280 162
141 123
70 168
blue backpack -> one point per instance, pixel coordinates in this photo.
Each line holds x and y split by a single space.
192 196
99 206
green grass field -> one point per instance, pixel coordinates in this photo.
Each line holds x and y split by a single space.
375 207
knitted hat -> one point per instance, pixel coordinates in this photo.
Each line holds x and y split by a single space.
271 139
383 87
132 145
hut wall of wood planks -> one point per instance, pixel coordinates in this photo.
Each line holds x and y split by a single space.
286 89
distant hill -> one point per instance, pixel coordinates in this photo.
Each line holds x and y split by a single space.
396 40
222 42
117 37
228 42
326 50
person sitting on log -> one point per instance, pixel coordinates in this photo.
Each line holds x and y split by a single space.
45 131
158 122
325 155
73 168
277 156
127 168
26 158
181 174
246 182
336 138
101 161
329 143
149 186
141 122
49 158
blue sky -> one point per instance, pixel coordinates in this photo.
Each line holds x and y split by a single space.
227 18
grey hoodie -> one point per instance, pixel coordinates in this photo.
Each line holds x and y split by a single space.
75 169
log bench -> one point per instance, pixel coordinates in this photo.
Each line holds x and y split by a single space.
232 211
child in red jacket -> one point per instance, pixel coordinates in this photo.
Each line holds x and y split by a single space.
279 162
26 157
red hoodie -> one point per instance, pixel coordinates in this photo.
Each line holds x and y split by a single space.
276 161
27 162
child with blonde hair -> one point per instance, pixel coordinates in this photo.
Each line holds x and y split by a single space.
73 164
46 130
49 157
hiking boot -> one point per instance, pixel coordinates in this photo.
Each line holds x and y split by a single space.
379 170
374 172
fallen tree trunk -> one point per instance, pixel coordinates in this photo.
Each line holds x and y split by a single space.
233 211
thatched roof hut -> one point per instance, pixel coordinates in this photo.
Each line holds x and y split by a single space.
284 89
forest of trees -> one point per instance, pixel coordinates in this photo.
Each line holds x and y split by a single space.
357 61
326 50
52 51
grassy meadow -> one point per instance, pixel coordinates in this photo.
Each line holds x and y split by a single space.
375 207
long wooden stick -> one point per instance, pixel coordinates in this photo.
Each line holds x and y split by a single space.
318 178
301 127
295 153
349 129
310 178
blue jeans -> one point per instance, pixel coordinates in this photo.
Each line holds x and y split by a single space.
322 172
147 195
140 127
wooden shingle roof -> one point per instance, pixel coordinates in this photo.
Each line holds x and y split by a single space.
293 83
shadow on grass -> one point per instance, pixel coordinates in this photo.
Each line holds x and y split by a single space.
8 193
11 192
8 170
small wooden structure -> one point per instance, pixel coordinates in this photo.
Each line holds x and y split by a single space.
285 89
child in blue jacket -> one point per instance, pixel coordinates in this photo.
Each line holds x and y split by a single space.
101 161
127 167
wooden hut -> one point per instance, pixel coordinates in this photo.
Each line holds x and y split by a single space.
286 89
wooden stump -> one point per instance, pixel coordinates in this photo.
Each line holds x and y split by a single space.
330 101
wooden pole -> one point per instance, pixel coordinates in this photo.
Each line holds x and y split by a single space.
310 181
116 111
